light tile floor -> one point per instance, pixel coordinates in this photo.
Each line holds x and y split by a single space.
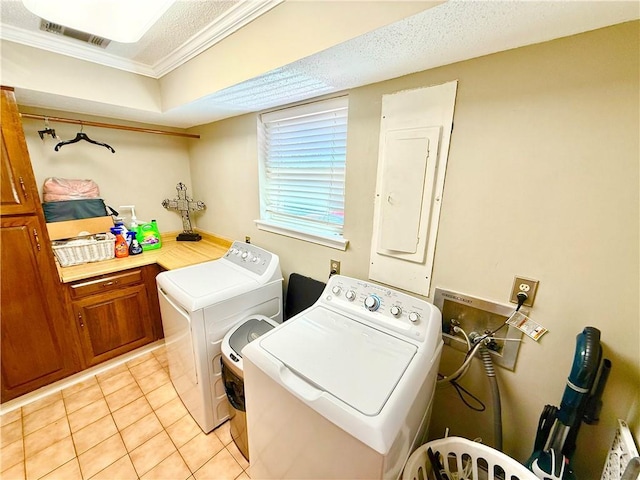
125 423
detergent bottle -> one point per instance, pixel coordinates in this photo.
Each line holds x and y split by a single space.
121 247
149 235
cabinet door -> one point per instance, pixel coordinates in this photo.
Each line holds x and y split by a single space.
35 345
113 323
18 190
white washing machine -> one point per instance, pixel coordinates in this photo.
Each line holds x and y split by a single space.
199 304
344 389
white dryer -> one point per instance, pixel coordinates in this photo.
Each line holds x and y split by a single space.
343 389
199 304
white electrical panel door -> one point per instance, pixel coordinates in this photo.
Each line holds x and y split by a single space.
407 180
415 132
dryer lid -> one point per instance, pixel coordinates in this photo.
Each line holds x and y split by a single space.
249 331
206 284
355 363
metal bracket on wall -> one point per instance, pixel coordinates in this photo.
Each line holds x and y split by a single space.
477 315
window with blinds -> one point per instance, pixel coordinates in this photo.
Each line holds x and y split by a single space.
302 171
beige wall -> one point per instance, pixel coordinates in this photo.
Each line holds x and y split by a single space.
542 181
53 74
143 171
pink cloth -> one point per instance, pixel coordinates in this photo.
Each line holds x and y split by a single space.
58 189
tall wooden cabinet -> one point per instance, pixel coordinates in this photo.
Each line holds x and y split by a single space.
37 346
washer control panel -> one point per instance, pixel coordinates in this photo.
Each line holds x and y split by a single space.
380 305
248 256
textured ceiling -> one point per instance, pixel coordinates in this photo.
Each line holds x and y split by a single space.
453 31
185 28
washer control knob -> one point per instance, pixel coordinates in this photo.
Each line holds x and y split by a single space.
414 317
372 303
351 295
396 311
336 290
244 255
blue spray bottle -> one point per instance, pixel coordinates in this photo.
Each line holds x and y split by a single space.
134 245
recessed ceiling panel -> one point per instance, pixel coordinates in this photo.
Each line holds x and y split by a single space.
124 21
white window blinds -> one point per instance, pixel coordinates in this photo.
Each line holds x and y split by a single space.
302 165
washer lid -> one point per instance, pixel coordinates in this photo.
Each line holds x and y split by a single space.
206 284
357 364
247 332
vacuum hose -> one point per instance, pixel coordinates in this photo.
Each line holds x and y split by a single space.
495 396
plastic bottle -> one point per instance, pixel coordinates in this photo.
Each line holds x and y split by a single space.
121 228
134 245
149 235
121 247
133 224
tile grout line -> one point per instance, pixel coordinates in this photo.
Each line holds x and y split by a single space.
119 431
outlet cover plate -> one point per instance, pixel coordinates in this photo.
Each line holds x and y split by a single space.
334 268
526 285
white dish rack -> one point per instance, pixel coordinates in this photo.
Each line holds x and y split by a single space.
92 248
622 459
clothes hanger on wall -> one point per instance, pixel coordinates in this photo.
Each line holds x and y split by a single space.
83 136
47 131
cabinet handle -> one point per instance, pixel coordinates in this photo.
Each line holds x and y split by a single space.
108 284
80 319
35 235
24 188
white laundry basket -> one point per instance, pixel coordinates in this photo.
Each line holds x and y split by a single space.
463 459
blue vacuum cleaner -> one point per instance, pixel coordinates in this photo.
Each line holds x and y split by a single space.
558 428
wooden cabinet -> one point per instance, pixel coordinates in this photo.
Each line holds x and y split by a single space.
18 190
113 314
50 330
36 337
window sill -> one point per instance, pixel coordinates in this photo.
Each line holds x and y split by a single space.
331 242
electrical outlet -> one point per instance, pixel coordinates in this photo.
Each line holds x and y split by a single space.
526 285
334 268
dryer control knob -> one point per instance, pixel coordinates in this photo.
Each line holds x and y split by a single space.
336 290
351 295
244 255
396 311
372 303
414 317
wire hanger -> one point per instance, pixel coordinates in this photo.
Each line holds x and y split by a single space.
83 136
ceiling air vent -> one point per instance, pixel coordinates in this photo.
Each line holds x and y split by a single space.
76 34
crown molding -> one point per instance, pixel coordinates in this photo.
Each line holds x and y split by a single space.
232 20
57 44
229 22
